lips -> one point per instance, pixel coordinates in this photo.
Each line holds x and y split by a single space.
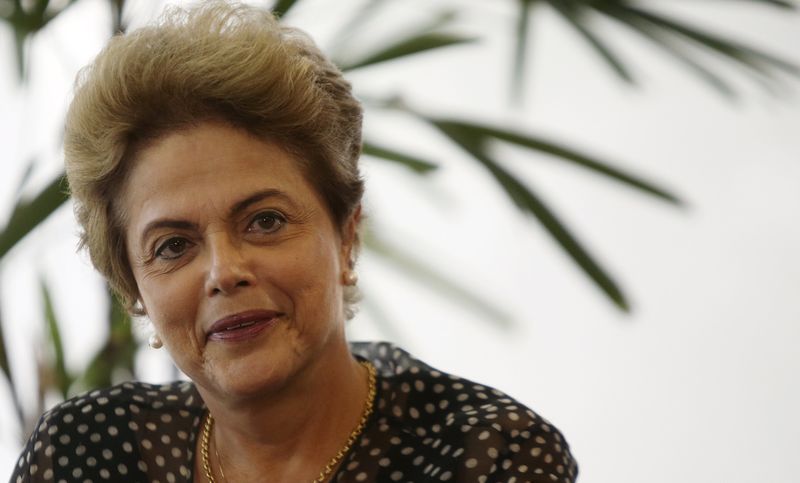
242 326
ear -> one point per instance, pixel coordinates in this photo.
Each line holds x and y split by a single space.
138 309
350 238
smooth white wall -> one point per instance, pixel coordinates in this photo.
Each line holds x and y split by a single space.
698 384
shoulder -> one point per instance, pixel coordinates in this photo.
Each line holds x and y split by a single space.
102 433
125 402
488 433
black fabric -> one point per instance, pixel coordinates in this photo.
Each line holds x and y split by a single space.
426 426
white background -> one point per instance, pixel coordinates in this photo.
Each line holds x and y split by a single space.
698 384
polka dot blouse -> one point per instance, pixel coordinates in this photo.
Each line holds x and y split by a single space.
427 426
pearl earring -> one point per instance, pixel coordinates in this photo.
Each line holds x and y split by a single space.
350 277
155 341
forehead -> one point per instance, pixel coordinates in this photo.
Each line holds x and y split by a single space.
204 169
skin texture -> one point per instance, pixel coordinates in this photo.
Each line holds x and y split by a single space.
219 223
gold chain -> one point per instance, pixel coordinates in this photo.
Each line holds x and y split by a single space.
208 425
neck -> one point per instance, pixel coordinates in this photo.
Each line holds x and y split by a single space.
292 433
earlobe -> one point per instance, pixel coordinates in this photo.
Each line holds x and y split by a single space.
350 241
138 309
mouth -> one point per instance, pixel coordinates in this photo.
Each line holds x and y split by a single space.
242 326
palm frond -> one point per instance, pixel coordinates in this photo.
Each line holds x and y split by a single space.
530 203
60 377
27 215
118 352
282 7
577 18
5 367
483 133
743 55
406 46
26 21
520 60
669 45
787 4
414 163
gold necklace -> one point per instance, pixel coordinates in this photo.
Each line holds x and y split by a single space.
208 425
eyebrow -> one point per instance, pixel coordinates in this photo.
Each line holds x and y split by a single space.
242 205
237 208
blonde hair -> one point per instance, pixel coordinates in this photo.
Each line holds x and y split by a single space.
216 61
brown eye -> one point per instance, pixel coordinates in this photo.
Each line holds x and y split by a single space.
172 248
267 222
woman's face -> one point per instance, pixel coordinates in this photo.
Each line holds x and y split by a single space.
237 260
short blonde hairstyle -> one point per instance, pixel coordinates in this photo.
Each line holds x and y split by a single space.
217 61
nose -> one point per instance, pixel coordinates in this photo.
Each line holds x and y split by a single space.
228 269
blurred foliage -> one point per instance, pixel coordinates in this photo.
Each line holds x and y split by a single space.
680 38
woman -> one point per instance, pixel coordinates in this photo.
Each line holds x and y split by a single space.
213 162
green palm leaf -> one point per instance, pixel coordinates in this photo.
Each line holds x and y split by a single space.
528 202
406 46
27 215
576 17
414 163
282 7
5 366
59 377
745 56
27 20
520 60
483 133
117 353
787 4
669 45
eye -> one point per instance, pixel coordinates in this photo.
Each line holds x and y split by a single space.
267 222
172 248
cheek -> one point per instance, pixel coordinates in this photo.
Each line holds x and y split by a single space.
312 279
171 304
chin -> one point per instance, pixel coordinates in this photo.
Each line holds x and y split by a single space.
251 374
245 381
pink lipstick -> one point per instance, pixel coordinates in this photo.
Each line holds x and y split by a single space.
242 326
